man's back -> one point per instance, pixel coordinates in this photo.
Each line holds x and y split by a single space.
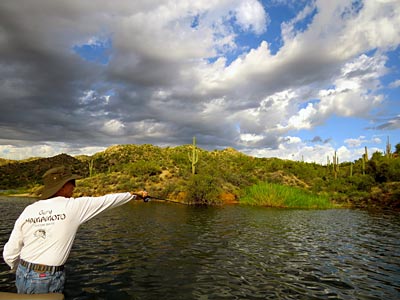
47 228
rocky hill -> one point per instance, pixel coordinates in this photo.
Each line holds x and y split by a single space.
167 172
5 161
28 173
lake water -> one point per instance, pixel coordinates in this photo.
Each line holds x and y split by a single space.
169 251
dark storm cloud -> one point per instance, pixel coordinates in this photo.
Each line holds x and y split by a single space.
41 83
390 124
159 85
318 139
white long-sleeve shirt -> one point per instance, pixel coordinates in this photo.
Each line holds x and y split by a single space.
45 231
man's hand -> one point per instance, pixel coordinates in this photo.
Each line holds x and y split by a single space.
141 194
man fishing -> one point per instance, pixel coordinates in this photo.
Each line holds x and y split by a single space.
43 234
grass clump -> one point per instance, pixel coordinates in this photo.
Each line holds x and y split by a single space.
277 195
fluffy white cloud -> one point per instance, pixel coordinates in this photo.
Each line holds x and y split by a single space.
354 93
395 83
302 119
114 127
355 142
44 150
250 138
175 70
294 148
362 141
250 15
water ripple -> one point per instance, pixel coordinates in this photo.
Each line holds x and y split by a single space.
163 251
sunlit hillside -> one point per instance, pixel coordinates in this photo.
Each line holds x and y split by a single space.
220 176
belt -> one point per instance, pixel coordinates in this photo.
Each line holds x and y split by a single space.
41 268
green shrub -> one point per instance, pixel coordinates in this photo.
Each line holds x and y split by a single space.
141 168
362 182
277 195
203 189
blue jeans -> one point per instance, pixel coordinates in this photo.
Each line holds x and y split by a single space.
32 282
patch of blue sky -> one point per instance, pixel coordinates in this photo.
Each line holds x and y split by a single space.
371 52
237 126
355 7
303 24
391 103
195 21
337 129
391 84
212 60
278 14
246 39
312 101
330 87
272 34
111 92
97 52
392 64
5 152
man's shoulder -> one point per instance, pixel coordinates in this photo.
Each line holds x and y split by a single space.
47 202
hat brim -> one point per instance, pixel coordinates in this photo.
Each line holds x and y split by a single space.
50 191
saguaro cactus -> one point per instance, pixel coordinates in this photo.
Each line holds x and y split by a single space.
335 165
194 155
328 163
388 148
90 163
364 160
363 165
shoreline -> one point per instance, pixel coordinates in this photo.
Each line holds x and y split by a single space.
27 195
13 193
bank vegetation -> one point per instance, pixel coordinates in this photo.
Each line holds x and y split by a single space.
191 175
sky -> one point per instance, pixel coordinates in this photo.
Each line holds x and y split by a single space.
292 79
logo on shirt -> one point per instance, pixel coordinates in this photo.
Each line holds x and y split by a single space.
41 233
46 218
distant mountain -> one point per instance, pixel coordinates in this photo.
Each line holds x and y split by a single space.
15 174
6 161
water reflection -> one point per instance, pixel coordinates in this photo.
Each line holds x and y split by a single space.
167 251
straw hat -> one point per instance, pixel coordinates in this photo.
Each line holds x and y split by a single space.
54 179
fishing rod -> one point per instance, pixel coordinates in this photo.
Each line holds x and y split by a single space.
148 198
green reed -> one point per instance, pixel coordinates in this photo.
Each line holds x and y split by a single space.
276 195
